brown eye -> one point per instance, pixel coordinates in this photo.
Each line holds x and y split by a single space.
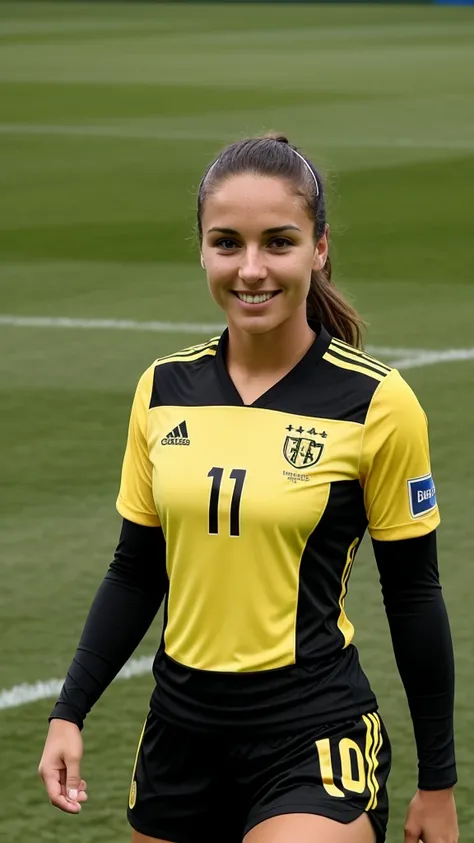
281 242
226 244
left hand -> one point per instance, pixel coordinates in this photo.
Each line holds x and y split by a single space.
432 817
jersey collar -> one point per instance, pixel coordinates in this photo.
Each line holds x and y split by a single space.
296 375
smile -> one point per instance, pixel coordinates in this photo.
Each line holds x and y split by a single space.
258 298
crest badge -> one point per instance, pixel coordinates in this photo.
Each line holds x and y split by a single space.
302 451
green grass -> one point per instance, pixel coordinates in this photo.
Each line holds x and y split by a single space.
108 114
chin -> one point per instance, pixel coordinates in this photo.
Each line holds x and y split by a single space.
256 324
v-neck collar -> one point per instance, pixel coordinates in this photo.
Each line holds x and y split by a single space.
306 364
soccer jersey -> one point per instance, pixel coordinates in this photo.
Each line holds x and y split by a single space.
263 508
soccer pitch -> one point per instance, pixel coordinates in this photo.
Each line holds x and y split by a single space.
108 114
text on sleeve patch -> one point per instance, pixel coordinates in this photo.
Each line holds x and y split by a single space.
422 495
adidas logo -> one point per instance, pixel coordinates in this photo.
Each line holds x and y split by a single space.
177 436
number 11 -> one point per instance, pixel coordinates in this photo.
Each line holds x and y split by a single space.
238 476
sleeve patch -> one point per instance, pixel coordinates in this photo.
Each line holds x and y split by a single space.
421 495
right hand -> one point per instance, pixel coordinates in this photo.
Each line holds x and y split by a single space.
60 766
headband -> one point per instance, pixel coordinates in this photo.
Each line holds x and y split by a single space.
301 157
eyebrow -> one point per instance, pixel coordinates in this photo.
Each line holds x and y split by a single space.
277 230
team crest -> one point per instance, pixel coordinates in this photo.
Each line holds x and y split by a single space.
301 451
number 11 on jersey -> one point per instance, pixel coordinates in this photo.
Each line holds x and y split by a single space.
238 476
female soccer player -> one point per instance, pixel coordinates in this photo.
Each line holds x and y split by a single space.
254 464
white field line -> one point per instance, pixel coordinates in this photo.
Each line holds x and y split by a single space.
431 358
110 324
408 358
25 693
165 133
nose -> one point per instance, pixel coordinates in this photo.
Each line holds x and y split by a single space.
252 269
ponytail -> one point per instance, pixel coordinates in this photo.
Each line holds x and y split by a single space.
327 304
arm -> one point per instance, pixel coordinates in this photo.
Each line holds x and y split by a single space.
123 609
423 650
402 511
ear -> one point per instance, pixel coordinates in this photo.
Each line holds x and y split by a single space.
202 262
321 250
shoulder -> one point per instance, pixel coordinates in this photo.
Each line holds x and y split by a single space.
358 365
347 379
171 367
395 398
189 355
378 390
395 414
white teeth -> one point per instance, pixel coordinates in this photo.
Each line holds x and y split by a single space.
258 299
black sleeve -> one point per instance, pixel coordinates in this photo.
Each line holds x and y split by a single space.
121 613
423 650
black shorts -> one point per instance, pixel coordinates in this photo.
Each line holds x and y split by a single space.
193 788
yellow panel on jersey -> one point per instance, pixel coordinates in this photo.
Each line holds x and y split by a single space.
235 520
135 501
395 470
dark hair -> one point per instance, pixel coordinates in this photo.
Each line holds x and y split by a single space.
273 155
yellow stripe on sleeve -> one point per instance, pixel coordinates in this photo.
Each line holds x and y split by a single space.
353 367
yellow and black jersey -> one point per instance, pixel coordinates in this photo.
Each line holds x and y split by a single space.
263 508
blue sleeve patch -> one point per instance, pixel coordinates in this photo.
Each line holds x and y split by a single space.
422 495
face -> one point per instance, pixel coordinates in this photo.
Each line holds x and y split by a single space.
258 250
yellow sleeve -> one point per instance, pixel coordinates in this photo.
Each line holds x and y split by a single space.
395 471
135 500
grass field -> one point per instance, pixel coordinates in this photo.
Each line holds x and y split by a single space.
108 113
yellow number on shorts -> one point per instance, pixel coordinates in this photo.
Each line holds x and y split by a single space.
325 762
346 746
348 749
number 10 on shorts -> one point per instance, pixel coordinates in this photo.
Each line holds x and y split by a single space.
357 768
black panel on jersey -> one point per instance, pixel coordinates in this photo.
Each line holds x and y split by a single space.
321 570
285 700
339 393
189 383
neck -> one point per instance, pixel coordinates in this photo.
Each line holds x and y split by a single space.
271 352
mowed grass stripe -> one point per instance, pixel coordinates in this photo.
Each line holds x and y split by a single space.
140 133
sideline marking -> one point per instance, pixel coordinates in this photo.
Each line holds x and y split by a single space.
26 693
109 324
404 358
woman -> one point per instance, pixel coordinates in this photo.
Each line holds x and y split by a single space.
254 464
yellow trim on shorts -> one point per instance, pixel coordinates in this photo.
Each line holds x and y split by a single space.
373 745
132 797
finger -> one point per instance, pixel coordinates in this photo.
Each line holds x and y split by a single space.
82 795
64 804
73 778
56 797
